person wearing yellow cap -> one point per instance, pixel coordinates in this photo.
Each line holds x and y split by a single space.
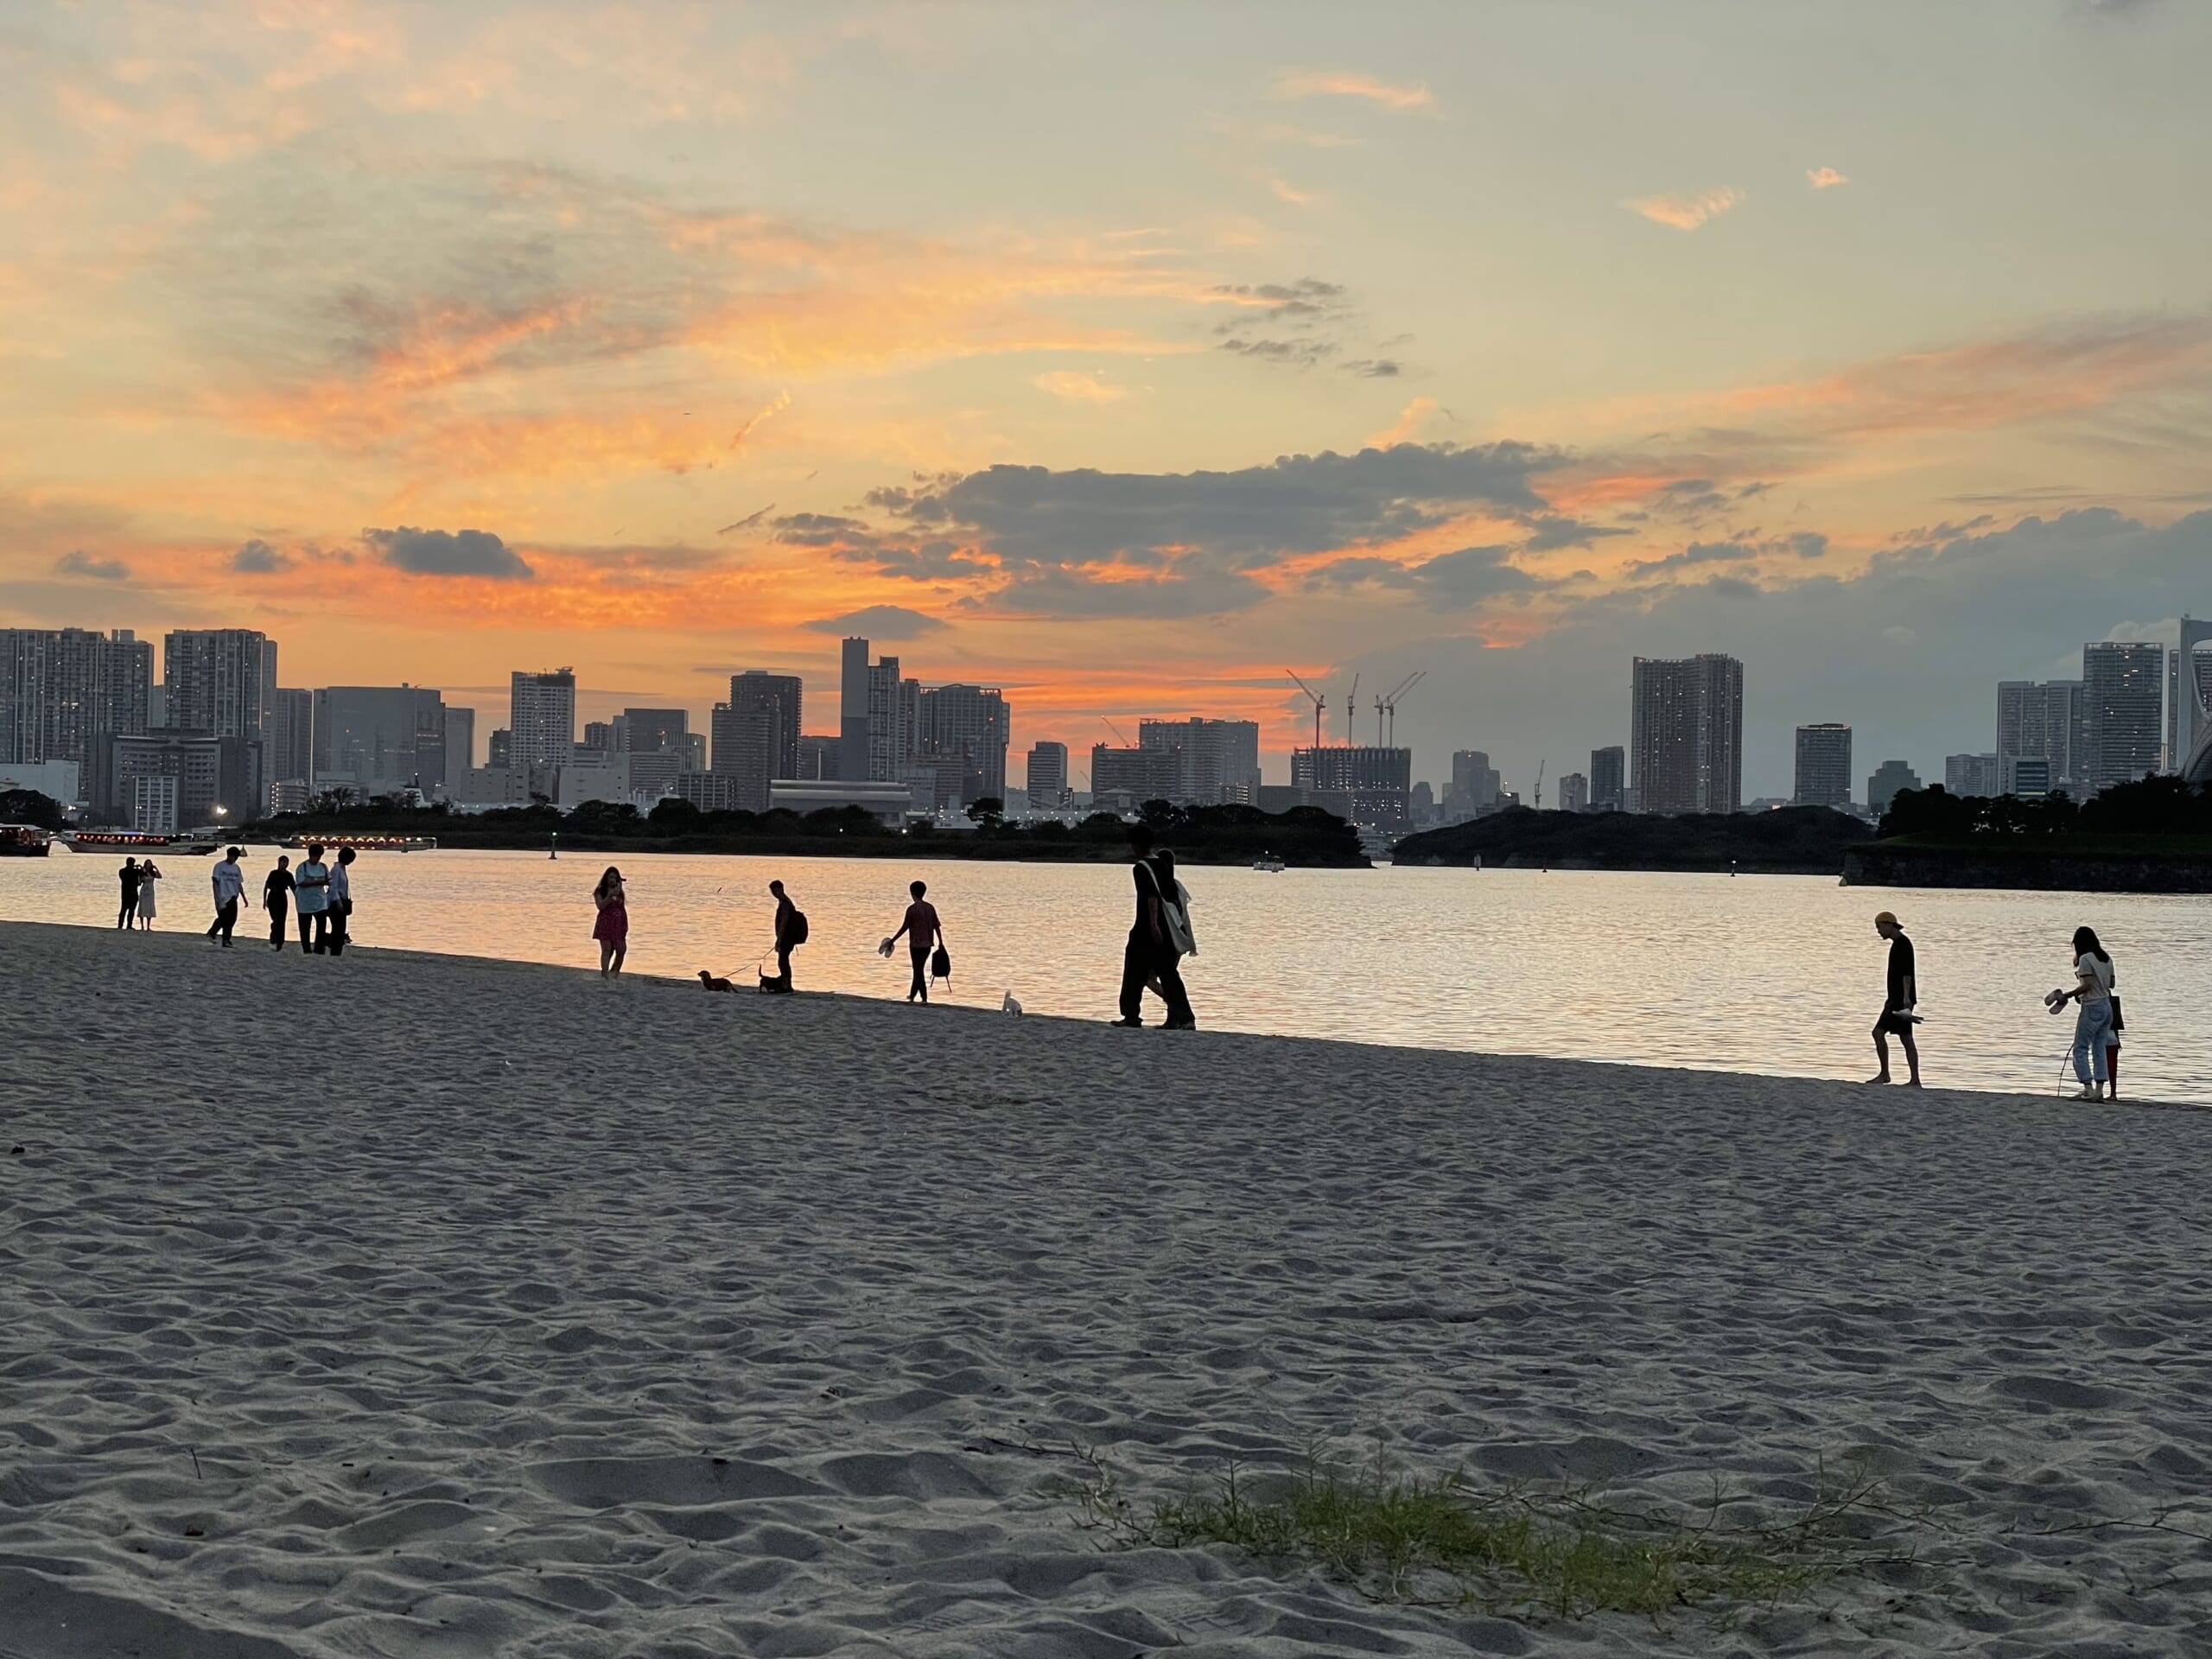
1897 1017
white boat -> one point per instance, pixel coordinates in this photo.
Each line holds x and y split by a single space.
1268 863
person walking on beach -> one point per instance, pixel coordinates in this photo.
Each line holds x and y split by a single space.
276 900
922 932
1149 954
2094 980
341 902
1896 1018
229 881
791 933
129 876
311 895
612 930
147 875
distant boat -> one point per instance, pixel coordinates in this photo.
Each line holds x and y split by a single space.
1268 863
372 843
25 841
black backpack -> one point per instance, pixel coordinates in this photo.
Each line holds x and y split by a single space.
796 934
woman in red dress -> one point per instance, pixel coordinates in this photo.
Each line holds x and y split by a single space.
612 930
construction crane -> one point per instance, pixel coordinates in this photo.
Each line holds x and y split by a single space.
1390 705
1116 730
1541 764
1319 704
1351 712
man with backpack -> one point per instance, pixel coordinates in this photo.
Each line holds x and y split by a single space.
1150 954
791 932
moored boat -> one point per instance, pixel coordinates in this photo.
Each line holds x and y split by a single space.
25 841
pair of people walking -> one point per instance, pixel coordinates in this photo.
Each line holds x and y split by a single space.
138 906
1159 939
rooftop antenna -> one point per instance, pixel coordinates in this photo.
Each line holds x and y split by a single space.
1319 704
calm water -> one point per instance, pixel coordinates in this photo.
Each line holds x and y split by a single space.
1775 974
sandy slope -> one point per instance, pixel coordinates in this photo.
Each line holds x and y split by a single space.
414 1305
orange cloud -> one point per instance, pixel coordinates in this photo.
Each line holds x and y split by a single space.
1685 211
1339 84
1080 388
1407 427
1824 178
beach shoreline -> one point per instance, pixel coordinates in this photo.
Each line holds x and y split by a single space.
405 1302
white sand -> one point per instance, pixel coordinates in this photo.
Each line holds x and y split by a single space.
510 1313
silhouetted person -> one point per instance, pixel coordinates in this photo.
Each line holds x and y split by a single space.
1150 954
311 894
149 874
128 875
922 931
1904 991
229 883
276 900
791 933
341 902
611 929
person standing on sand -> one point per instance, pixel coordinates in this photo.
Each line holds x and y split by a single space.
229 881
311 895
276 900
129 876
341 902
612 930
791 933
2094 980
1895 1018
922 932
147 876
1150 953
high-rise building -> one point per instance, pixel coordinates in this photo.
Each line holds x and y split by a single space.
650 731
1047 775
1888 778
892 708
211 780
288 751
1138 774
818 757
2189 694
758 691
1969 776
969 723
1474 786
2123 686
1823 766
460 743
1608 779
376 740
2041 722
500 750
1366 785
1219 760
65 692
1687 735
746 740
599 735
1574 793
542 717
852 710
221 681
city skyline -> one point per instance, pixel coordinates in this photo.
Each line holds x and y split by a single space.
395 329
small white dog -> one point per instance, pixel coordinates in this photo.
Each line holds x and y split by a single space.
1009 1006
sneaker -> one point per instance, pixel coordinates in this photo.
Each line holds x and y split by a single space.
1132 1024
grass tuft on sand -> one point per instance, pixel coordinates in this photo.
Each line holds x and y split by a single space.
1516 1551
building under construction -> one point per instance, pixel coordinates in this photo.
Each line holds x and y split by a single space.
1366 785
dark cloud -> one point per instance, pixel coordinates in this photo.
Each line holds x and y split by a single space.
818 529
879 622
1303 353
1058 591
1809 544
448 553
1374 368
258 558
1300 324
1452 581
81 563
1552 532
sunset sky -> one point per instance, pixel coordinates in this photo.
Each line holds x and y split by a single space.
1122 356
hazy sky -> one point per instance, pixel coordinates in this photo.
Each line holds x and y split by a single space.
1123 355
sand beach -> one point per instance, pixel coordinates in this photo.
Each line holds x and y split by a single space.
407 1304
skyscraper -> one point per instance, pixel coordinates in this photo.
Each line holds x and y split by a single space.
1686 736
746 740
542 722
890 721
1218 759
1608 779
65 691
1474 786
1971 775
288 750
376 740
461 743
1888 778
968 722
1047 775
650 731
1574 793
1823 766
221 681
2042 723
852 706
2189 694
2122 689
758 691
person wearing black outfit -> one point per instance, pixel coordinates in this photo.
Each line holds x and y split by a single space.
1149 956
277 898
1904 991
129 876
788 936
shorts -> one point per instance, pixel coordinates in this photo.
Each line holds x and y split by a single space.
1892 1023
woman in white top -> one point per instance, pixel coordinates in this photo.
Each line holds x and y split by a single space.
2093 985
147 876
